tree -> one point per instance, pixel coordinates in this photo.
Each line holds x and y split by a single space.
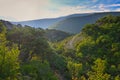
117 77
101 40
30 41
37 70
9 64
74 69
98 71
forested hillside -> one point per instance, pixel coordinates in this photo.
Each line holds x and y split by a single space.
93 54
76 23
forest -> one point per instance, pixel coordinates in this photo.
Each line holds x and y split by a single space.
26 54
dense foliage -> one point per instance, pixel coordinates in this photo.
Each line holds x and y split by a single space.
26 54
9 64
97 53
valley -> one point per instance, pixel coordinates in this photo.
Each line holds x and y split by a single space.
75 47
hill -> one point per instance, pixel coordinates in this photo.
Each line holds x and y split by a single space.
45 23
92 54
7 24
40 23
55 35
95 50
75 24
52 35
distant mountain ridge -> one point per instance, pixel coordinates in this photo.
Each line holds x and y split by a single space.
75 24
45 23
72 23
42 23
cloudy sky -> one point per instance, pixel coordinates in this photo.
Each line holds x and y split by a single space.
20 10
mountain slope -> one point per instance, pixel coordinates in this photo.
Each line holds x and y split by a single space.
51 35
7 24
42 23
45 23
55 35
75 24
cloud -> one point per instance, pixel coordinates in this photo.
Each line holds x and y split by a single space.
118 9
94 0
23 9
65 10
7 18
37 9
113 5
103 6
71 10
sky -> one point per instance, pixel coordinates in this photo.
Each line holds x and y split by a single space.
22 10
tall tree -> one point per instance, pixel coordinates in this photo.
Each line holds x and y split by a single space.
98 71
9 64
